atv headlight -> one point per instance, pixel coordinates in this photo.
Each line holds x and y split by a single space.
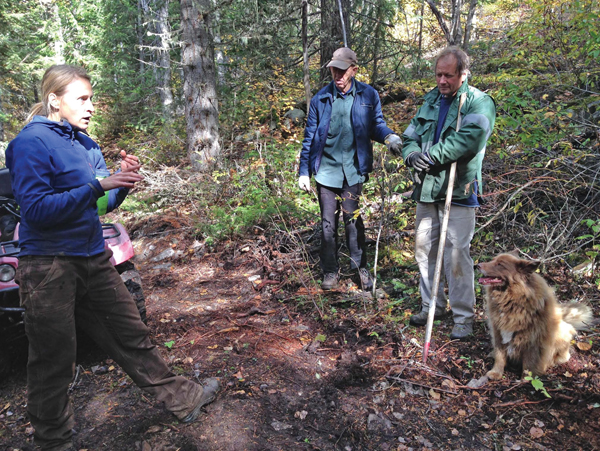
7 272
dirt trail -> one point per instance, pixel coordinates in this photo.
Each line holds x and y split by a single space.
298 382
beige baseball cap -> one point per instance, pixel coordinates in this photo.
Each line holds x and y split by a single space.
343 58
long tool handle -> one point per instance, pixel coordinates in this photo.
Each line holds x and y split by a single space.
442 243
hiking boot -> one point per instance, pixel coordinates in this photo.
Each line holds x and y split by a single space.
366 281
210 388
460 331
330 281
420 319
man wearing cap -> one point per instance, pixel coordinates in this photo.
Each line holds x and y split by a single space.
343 119
431 144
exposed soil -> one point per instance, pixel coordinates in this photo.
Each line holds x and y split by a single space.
296 380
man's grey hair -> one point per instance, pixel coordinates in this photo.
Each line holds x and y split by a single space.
462 59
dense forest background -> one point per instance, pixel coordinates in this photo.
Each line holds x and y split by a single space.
211 95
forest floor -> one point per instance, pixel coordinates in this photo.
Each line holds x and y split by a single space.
299 376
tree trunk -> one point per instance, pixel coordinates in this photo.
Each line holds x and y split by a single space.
421 29
58 36
377 36
162 31
306 68
220 58
469 24
331 32
438 15
456 26
143 13
199 86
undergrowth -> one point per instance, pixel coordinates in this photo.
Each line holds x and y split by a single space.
540 191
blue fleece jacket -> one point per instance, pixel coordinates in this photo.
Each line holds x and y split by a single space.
53 172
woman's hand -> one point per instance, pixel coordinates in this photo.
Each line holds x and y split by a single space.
123 179
129 163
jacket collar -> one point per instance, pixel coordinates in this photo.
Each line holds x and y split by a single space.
330 89
433 96
62 128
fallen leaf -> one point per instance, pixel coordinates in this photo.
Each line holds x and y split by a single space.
154 429
536 432
435 395
448 384
239 375
301 414
584 346
539 424
477 383
462 413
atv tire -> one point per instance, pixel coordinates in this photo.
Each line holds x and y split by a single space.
133 282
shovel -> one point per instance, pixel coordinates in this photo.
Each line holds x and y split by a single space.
440 255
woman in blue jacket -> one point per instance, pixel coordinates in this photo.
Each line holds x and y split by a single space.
65 277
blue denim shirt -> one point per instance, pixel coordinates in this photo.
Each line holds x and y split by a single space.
367 122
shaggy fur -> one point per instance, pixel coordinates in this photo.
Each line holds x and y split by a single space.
528 326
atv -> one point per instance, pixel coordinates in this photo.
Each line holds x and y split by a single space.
12 330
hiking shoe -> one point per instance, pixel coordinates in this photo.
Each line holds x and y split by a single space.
460 331
330 281
420 319
210 388
366 281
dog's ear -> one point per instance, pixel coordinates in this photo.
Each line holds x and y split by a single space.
529 267
514 253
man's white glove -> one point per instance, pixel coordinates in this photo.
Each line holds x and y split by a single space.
304 183
394 144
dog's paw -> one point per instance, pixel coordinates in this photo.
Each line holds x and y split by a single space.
494 375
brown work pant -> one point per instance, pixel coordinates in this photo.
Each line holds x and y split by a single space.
59 292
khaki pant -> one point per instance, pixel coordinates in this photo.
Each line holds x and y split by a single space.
59 292
457 264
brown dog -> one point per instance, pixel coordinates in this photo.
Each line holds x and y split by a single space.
527 324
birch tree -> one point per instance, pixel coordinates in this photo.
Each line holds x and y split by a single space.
453 30
162 32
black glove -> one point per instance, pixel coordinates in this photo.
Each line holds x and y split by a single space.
394 144
419 161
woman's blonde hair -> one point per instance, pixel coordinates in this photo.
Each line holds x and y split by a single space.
55 80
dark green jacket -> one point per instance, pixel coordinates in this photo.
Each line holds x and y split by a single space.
466 147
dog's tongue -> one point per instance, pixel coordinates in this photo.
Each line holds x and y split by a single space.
489 281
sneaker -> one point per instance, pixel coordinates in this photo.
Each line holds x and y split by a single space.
330 281
460 331
366 281
210 388
420 319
